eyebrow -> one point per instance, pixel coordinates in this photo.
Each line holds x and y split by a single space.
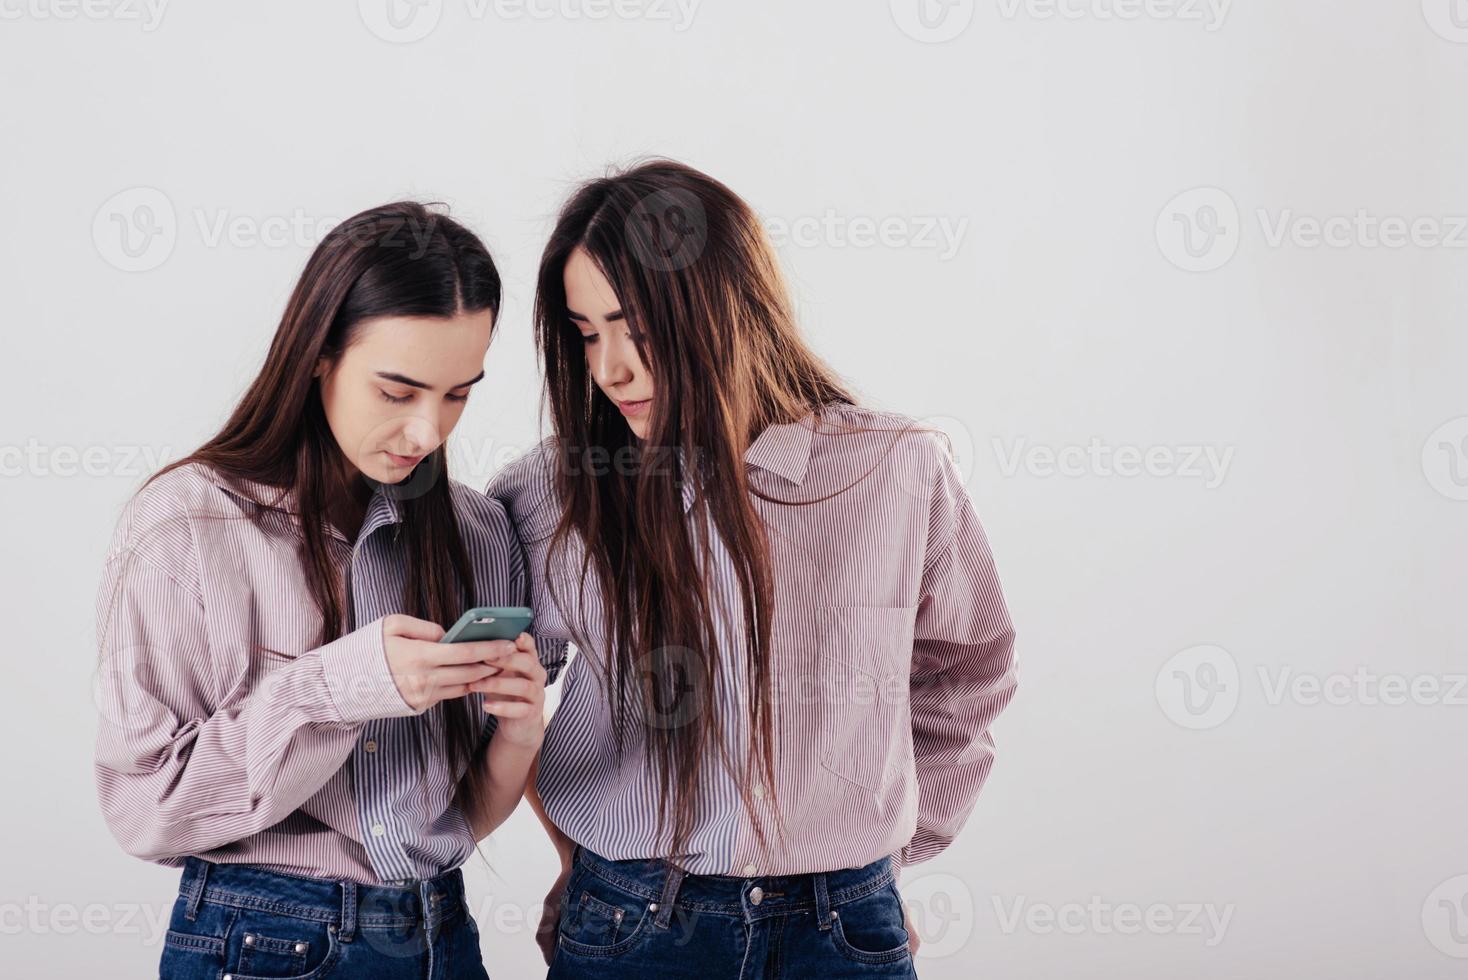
614 315
404 380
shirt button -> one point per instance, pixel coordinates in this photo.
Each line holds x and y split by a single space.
759 792
378 830
749 870
371 745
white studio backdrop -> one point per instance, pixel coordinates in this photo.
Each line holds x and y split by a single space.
1184 280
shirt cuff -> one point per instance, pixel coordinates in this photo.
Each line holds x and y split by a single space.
357 677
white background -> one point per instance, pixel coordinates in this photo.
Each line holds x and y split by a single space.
1166 753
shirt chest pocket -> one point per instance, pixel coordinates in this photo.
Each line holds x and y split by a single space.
865 657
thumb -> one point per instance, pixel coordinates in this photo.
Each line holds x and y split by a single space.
412 628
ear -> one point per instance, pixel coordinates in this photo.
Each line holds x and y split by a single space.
322 366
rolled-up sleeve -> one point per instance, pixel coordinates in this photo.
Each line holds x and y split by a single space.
189 759
963 667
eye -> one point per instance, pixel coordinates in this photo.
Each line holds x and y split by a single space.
457 398
395 399
588 339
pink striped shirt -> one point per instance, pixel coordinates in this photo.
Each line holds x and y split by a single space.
892 653
300 760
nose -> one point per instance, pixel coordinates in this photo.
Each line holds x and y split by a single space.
615 360
421 435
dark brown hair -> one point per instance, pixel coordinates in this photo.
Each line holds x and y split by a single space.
702 293
400 259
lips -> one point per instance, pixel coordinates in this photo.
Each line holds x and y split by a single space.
634 408
403 460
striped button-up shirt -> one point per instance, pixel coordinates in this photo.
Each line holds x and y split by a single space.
892 652
228 733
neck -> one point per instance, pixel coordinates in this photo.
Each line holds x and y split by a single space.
348 506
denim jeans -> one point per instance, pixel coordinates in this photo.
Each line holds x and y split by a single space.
641 919
241 922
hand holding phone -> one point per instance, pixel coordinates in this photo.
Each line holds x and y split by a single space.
514 688
427 671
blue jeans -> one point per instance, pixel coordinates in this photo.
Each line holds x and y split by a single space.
641 919
244 922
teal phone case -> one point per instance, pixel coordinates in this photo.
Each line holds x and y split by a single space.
489 623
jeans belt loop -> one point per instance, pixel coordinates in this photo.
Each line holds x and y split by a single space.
349 911
671 883
195 891
824 915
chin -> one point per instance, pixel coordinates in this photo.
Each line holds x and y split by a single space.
376 468
381 474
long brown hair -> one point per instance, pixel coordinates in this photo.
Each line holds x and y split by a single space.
702 292
400 259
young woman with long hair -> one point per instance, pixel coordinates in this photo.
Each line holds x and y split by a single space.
791 636
277 716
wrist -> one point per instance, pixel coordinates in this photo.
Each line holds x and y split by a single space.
522 733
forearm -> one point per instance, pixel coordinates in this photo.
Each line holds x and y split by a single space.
182 771
565 846
963 668
508 766
953 749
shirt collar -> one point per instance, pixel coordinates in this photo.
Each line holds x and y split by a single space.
783 450
382 509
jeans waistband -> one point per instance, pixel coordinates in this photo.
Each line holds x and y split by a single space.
348 904
665 885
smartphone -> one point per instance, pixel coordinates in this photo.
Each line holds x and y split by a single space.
489 623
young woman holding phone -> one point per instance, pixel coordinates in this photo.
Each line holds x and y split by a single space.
277 716
792 638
